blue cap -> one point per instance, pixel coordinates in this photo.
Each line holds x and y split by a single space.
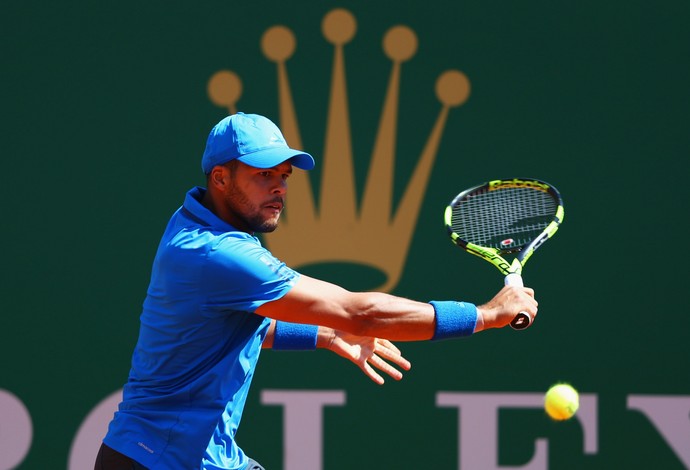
253 140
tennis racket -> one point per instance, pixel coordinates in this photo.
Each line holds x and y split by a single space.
503 217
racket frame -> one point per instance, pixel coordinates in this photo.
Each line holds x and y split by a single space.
511 270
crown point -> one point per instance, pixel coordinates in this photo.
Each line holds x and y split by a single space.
278 43
400 43
452 88
224 88
339 26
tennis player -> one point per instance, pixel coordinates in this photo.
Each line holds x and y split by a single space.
217 296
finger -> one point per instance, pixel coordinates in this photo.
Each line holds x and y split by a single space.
385 367
372 374
386 343
394 356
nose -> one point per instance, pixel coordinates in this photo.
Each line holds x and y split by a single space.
281 187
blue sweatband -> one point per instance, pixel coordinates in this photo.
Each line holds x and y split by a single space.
294 336
454 319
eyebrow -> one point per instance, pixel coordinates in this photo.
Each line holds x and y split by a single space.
276 168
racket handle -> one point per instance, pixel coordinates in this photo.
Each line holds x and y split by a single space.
522 320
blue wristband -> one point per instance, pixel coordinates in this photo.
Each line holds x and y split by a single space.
294 336
454 319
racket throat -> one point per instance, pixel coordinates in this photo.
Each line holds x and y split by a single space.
515 269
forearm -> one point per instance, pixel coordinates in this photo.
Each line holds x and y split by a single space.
375 314
387 316
399 319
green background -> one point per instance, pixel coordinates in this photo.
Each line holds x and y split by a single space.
105 116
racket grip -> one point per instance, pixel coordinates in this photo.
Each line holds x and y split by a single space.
522 320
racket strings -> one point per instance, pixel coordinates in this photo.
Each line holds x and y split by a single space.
505 219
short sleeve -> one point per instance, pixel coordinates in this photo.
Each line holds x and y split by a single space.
242 275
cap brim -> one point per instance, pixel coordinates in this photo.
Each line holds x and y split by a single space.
268 158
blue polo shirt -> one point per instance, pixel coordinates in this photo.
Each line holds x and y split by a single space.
198 345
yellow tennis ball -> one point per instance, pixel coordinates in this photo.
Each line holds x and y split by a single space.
561 401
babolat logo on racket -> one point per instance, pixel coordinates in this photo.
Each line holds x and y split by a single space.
491 255
516 183
345 227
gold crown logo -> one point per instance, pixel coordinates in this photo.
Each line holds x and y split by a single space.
339 231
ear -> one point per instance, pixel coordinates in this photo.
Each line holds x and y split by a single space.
217 177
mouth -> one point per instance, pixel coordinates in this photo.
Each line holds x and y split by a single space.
275 205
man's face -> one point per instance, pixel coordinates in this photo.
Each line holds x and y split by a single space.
256 196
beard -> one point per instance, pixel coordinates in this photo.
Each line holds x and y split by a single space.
249 213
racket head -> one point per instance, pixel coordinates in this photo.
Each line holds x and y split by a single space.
505 216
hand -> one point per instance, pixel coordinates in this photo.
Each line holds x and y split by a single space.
366 351
509 301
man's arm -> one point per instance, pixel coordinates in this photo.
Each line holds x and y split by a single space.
380 315
362 351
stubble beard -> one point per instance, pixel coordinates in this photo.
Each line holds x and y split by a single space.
250 215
